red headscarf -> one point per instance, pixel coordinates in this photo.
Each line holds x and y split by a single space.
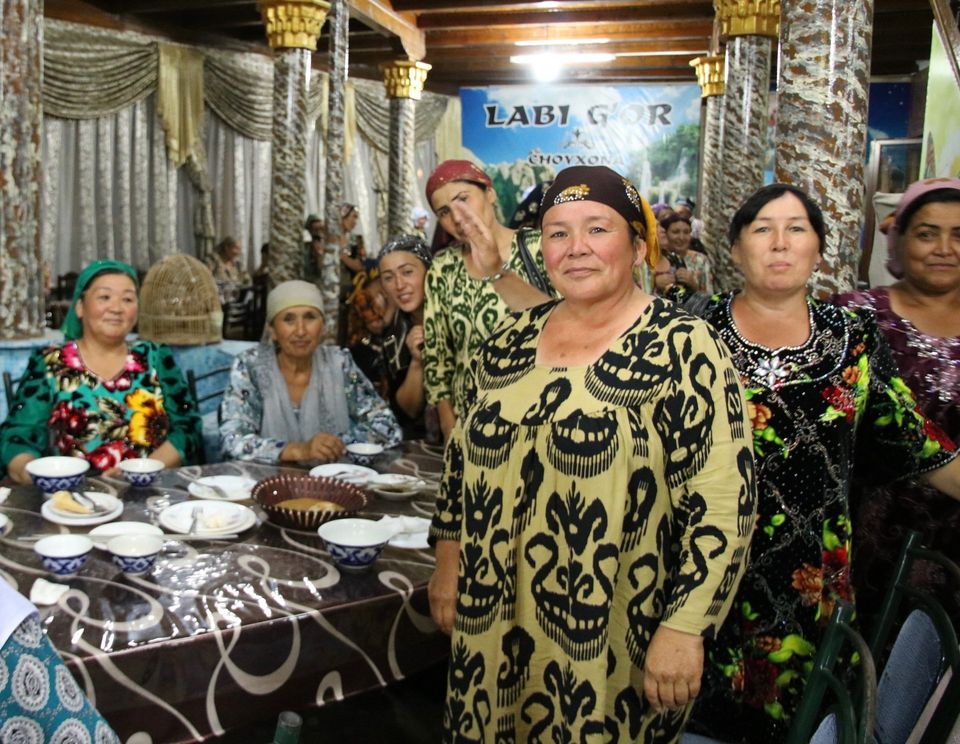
456 170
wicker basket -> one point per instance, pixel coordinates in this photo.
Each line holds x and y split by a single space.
179 303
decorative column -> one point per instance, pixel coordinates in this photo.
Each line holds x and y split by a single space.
822 122
747 26
710 75
404 81
333 193
21 133
292 30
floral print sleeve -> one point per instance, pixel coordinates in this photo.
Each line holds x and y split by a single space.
25 429
371 419
898 440
241 411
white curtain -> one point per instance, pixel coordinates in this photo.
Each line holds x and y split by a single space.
110 190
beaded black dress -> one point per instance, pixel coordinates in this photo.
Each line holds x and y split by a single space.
824 413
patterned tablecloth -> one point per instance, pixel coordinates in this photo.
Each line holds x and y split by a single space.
220 634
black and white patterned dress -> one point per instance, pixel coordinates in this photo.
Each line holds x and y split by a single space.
591 504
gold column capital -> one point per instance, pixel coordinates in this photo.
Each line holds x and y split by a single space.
404 78
748 17
709 75
293 24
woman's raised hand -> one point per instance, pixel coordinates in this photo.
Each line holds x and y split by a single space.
478 237
415 342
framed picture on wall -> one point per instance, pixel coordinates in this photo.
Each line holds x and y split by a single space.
947 16
893 164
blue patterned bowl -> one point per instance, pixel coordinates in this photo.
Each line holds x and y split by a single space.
136 553
57 473
64 555
354 544
363 453
140 472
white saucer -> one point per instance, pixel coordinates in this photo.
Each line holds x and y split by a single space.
358 475
410 541
101 535
415 538
395 486
79 520
5 524
237 487
236 517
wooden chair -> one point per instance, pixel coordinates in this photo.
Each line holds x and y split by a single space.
65 285
928 647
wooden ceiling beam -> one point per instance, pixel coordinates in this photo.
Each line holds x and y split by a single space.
503 49
469 6
698 11
549 33
381 17
140 7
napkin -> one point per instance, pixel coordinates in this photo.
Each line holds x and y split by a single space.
4 492
409 525
45 592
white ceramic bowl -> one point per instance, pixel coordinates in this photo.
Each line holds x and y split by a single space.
106 532
57 473
354 544
135 554
141 471
64 555
363 453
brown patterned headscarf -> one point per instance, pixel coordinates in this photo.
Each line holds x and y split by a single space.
601 184
456 170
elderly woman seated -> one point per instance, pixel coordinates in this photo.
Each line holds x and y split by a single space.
290 399
96 396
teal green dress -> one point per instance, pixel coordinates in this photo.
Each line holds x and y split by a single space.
62 408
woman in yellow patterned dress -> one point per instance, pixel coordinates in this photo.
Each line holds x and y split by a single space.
598 496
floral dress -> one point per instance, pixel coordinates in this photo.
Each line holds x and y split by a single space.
63 408
823 413
459 313
592 504
930 365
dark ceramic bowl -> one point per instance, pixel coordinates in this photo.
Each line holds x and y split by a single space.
271 491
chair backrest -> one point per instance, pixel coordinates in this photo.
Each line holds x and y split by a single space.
212 388
10 389
212 384
901 591
909 678
854 714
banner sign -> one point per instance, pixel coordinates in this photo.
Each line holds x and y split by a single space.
524 135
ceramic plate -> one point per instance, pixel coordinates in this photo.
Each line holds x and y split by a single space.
358 475
218 517
102 500
410 541
395 486
101 535
5 524
237 487
76 520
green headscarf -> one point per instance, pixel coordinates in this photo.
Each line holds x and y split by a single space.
72 327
